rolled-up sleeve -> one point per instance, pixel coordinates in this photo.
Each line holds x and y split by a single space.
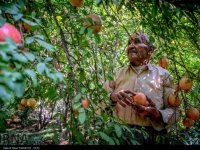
170 115
110 85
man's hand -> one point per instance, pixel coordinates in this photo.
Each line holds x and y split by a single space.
147 111
124 97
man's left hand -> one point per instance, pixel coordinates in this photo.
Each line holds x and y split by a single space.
147 111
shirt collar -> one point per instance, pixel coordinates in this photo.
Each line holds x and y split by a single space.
149 67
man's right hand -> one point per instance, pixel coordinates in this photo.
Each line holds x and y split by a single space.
124 97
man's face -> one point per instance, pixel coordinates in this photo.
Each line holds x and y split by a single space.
137 50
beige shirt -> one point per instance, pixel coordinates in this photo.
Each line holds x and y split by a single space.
156 83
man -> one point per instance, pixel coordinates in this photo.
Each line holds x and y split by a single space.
141 76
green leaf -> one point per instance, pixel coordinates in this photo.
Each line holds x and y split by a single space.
118 130
5 94
33 14
82 30
46 45
77 98
116 2
81 117
51 93
30 56
41 67
11 43
110 24
154 11
80 110
106 138
113 17
17 16
76 105
29 22
2 21
83 90
125 127
29 40
3 116
31 73
4 47
89 31
19 89
151 39
9 8
48 72
5 57
98 1
20 58
116 141
51 75
16 76
97 38
56 138
41 37
59 116
134 142
59 76
48 59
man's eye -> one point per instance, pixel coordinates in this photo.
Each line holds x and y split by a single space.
137 41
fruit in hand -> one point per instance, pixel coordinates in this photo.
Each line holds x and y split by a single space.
163 62
185 84
11 32
31 102
174 100
140 98
192 113
77 3
85 102
95 24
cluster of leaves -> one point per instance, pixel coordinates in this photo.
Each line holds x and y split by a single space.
87 60
21 69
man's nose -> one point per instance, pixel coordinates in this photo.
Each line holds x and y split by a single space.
132 45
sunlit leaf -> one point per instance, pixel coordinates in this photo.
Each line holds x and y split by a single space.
98 1
29 22
40 68
118 130
5 94
106 138
19 89
56 138
29 40
29 56
116 2
81 117
46 45
2 21
17 16
82 30
32 74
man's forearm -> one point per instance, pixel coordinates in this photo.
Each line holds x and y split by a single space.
155 115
